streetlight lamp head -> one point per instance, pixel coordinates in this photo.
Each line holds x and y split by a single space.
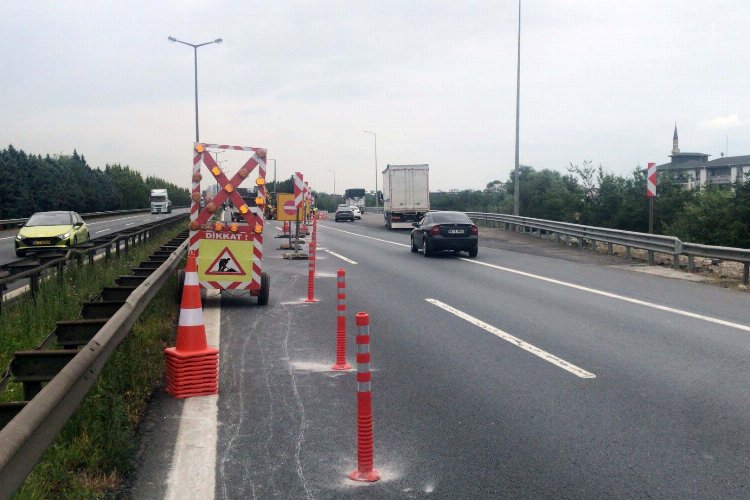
171 39
218 40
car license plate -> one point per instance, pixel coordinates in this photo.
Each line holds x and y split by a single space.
455 231
41 242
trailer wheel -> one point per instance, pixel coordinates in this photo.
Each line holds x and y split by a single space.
265 289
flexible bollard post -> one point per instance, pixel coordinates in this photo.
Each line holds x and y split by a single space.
364 471
314 241
311 274
341 363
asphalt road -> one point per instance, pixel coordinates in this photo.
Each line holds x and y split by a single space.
97 227
532 371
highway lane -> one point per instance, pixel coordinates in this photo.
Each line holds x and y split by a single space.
658 406
98 227
665 413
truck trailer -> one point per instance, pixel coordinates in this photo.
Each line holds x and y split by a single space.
160 202
406 194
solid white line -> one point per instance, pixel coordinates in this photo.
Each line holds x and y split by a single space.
550 358
194 458
7 238
602 293
350 261
107 221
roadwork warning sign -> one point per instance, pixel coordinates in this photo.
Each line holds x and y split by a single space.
222 259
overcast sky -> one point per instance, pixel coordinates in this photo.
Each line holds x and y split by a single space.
601 80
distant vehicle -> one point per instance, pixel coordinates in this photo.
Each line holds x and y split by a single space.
355 197
46 231
406 194
344 212
439 231
160 202
355 209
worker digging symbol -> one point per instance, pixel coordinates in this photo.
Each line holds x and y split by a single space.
225 264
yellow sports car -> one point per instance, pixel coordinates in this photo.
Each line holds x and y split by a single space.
46 231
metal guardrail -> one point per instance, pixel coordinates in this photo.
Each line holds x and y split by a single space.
652 243
25 438
32 269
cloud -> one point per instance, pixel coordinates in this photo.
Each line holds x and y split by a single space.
721 122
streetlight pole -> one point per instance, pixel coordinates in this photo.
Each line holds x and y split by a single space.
516 185
274 173
334 180
195 60
376 165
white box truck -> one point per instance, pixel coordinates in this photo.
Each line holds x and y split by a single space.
406 194
160 202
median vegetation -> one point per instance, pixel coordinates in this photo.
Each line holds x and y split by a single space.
94 451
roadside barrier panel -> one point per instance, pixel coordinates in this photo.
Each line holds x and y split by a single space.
365 455
192 367
341 363
311 273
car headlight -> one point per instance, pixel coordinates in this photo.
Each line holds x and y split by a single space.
64 236
19 237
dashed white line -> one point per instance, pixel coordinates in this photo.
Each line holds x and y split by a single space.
345 259
550 358
363 236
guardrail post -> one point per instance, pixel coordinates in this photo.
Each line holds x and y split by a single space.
691 264
107 252
34 282
60 274
557 235
676 261
745 273
127 241
650 258
609 248
79 258
91 257
593 245
628 252
117 248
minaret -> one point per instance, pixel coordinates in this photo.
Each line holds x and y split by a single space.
675 142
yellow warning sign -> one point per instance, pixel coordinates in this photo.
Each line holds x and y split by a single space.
286 209
225 260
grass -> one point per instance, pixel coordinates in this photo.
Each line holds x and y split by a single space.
95 448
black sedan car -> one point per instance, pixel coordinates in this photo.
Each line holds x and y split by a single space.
344 213
445 231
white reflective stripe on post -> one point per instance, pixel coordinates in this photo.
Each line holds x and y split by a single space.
363 348
191 317
191 279
364 386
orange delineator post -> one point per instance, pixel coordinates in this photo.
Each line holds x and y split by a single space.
365 455
341 363
192 367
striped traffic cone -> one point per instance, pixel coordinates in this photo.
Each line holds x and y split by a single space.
192 368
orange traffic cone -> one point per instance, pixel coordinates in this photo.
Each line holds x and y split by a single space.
192 367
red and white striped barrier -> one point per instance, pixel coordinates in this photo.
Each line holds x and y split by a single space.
311 272
365 459
341 363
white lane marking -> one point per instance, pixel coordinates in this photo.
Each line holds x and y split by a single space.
550 358
350 261
192 474
368 237
7 238
610 295
129 223
106 221
639 302
106 229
